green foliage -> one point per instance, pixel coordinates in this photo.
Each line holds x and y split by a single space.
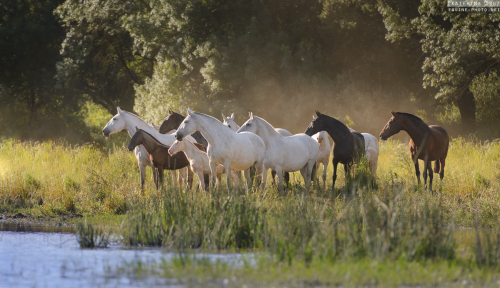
460 58
31 105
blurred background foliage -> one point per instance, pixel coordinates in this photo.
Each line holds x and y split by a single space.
67 65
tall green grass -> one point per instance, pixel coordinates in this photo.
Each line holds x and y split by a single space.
389 218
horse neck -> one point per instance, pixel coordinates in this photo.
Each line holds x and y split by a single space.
132 121
213 130
149 143
417 130
189 148
267 131
340 134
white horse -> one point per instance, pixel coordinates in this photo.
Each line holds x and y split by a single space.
198 160
324 152
371 151
237 151
288 154
229 122
127 121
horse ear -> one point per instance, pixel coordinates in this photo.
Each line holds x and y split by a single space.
318 113
393 113
136 129
232 116
170 111
189 111
119 110
251 115
223 117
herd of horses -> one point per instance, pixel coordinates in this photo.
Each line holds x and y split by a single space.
201 144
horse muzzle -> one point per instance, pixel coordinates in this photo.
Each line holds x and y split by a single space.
106 134
383 137
178 136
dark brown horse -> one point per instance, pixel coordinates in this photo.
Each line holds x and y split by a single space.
159 156
173 120
349 144
428 142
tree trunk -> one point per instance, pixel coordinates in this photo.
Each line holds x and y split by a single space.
467 106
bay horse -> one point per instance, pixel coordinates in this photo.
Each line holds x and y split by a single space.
229 122
428 143
349 144
159 156
237 151
173 120
284 154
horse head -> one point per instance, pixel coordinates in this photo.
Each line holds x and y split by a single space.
171 122
316 125
392 127
116 124
187 127
249 126
136 140
176 147
229 122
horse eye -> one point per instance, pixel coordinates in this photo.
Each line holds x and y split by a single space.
229 126
248 124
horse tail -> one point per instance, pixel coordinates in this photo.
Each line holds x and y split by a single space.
436 166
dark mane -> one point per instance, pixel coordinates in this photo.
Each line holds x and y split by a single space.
410 115
159 143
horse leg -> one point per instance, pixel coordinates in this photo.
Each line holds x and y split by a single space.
279 172
227 166
286 179
309 172
431 175
181 176
325 167
417 170
142 170
201 179
426 166
334 177
213 171
441 170
190 178
160 178
155 171
261 169
248 179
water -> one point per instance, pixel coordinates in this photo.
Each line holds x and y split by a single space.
37 256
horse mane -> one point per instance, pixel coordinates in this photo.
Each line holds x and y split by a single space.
211 117
265 121
135 115
415 117
338 122
154 138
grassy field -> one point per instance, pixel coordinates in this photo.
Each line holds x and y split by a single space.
393 224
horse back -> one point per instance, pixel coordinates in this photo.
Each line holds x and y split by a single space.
441 141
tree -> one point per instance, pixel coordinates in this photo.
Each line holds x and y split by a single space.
100 61
30 104
460 50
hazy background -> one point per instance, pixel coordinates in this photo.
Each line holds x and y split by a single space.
66 65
